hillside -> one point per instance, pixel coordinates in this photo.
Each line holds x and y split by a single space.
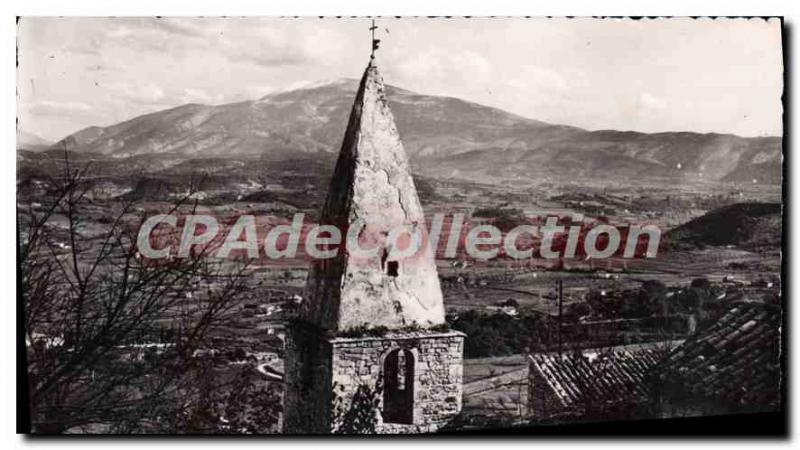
30 141
752 226
444 137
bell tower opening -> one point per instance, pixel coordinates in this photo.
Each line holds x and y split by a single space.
398 387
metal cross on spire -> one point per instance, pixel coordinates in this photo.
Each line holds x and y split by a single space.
375 42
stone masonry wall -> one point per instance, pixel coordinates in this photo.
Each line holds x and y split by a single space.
542 401
333 383
357 364
307 373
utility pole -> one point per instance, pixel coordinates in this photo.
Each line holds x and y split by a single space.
560 310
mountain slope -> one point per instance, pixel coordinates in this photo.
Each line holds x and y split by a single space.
30 141
444 137
746 225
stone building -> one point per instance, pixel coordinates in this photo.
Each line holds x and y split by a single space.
371 351
731 366
594 383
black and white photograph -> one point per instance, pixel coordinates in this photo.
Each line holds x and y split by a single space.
415 225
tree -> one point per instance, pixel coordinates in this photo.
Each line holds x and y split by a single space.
111 337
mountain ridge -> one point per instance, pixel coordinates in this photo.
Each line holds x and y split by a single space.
30 141
444 137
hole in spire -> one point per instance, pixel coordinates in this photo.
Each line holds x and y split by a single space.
392 268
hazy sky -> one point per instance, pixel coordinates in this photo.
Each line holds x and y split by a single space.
647 75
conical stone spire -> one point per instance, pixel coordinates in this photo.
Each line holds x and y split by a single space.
372 196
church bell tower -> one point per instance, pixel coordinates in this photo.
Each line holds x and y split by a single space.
371 351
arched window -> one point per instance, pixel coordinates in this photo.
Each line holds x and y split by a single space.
398 387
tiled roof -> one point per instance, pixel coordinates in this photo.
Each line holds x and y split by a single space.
735 361
600 376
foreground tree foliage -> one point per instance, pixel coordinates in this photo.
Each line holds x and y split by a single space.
111 338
